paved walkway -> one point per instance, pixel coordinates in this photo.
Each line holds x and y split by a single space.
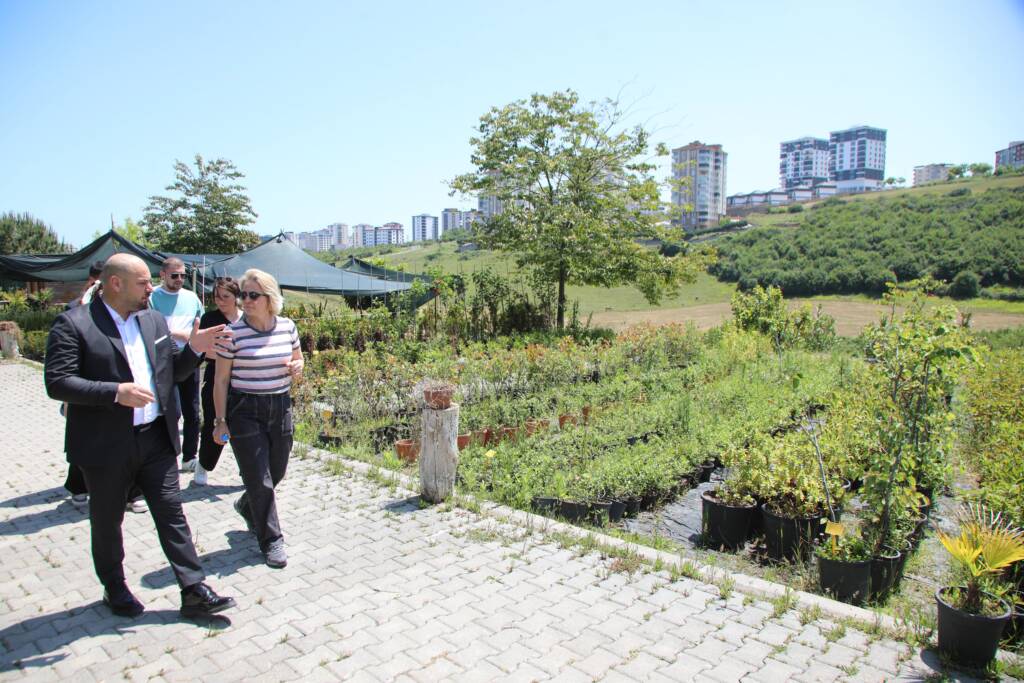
376 590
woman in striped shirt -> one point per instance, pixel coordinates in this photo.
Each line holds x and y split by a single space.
254 410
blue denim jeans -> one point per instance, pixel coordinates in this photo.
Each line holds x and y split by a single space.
261 438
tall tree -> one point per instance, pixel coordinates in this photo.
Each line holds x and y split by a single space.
208 214
578 196
21 233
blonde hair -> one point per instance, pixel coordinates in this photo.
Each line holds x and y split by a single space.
268 284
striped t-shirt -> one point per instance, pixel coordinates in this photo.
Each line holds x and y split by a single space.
260 359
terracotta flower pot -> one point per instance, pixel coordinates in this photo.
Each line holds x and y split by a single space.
566 419
462 440
545 425
438 398
509 433
531 427
586 414
407 450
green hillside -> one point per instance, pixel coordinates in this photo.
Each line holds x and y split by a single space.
972 230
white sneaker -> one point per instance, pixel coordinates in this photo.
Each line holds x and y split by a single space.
79 499
189 466
200 478
138 506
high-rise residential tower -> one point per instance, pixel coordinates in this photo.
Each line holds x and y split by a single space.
857 158
803 162
424 227
699 172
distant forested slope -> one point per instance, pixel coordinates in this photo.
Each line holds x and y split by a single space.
846 247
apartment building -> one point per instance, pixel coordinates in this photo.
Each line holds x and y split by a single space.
424 227
1012 156
931 173
699 172
803 162
857 158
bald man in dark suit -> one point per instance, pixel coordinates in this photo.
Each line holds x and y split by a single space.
114 363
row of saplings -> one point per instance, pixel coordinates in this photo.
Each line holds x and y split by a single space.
887 438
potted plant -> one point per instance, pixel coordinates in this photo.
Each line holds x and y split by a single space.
725 516
437 394
970 618
407 449
844 566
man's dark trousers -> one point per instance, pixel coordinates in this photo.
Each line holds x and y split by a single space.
188 398
153 467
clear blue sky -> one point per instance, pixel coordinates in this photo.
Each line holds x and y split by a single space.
360 111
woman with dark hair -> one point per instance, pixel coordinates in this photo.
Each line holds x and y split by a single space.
225 296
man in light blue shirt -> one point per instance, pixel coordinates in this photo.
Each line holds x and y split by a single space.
180 308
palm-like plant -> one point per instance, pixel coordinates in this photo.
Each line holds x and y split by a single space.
986 545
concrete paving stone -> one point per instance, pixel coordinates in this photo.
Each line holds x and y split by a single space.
394 666
736 633
773 671
820 673
712 650
728 670
773 634
598 662
753 652
525 673
684 667
481 672
586 642
440 669
838 655
555 659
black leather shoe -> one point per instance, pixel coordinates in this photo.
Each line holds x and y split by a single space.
121 601
199 600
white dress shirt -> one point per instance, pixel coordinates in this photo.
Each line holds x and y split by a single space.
138 361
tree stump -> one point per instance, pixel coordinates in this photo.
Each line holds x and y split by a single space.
439 453
9 340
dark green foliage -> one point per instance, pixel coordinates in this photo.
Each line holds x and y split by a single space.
846 247
965 285
20 233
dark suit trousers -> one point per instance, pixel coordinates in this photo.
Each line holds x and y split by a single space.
188 398
153 467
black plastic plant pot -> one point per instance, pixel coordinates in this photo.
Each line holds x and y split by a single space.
648 501
633 506
573 511
885 572
1015 630
617 510
598 514
756 522
545 505
329 439
724 526
846 581
969 639
789 538
706 468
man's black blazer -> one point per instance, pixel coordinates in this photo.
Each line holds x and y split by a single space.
85 361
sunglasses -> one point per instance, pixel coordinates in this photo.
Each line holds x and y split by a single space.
225 278
176 276
252 295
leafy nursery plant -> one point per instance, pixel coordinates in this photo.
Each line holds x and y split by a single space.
985 547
